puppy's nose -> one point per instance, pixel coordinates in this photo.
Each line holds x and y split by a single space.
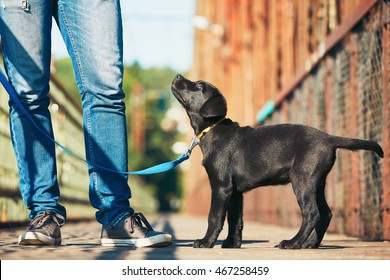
179 77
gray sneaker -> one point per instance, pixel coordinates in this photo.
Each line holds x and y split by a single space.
44 229
134 230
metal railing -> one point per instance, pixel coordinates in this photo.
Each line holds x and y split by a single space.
345 91
72 173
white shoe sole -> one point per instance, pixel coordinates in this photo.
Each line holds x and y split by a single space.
36 238
161 240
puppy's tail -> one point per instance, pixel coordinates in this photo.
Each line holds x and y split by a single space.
357 144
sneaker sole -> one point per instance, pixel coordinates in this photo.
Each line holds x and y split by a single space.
158 241
36 238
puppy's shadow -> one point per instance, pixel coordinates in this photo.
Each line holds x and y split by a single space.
190 242
323 247
244 242
183 242
332 247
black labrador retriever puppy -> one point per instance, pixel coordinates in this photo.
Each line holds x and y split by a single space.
238 159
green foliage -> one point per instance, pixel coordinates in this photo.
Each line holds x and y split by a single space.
157 98
64 72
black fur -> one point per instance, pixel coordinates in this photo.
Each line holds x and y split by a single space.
238 159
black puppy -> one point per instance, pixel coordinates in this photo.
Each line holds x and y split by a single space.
238 159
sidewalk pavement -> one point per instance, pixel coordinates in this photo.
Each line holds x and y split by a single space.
81 242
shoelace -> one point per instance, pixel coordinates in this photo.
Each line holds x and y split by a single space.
42 218
140 218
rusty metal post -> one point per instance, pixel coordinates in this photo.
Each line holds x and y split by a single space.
386 118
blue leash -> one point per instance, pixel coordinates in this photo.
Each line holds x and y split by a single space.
160 168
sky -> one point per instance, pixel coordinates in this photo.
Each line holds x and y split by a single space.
156 33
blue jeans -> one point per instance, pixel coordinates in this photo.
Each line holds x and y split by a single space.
92 31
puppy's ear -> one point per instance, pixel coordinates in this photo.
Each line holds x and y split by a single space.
214 107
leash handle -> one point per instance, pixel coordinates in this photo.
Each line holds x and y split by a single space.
160 168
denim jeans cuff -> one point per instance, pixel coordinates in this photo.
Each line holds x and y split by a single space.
119 217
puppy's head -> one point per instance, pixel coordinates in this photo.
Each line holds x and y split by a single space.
202 101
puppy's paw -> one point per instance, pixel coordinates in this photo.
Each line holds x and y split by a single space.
231 243
201 243
288 244
310 245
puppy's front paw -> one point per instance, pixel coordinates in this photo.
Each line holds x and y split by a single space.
200 243
231 243
288 244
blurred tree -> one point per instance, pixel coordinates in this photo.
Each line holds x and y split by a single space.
147 97
64 71
156 99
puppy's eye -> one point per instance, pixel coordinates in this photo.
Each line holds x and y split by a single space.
199 86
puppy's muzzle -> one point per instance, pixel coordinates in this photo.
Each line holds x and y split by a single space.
177 83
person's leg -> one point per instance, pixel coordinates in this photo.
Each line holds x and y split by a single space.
26 46
92 31
25 33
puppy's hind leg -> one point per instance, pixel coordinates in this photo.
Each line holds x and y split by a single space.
305 192
318 233
235 221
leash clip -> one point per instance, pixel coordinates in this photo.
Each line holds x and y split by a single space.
193 144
